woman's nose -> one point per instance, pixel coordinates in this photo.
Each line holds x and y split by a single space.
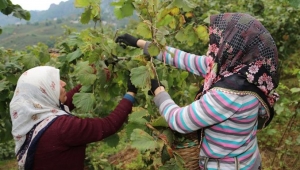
62 83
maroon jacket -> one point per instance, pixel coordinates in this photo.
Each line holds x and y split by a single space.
62 146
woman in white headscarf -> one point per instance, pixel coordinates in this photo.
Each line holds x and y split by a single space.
46 135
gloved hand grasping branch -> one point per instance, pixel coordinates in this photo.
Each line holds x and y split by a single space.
131 87
127 40
154 85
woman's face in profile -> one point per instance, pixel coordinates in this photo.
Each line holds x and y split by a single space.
62 96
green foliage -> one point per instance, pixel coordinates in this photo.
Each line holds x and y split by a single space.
84 101
143 141
160 122
140 76
81 4
181 24
295 3
184 25
3 4
85 73
7 150
9 73
123 8
91 10
7 8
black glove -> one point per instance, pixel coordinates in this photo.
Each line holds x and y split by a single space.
127 39
154 85
131 87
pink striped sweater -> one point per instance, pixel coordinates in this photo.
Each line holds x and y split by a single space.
232 118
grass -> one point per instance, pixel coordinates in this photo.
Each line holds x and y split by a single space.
8 165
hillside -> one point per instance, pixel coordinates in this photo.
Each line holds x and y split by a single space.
45 26
18 37
62 10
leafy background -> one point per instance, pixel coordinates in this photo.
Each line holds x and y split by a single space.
145 141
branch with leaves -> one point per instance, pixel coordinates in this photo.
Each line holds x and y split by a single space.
7 8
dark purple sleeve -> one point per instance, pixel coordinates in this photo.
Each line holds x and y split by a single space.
70 94
75 131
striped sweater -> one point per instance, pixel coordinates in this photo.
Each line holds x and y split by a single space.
231 119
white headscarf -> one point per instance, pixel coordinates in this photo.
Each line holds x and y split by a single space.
35 100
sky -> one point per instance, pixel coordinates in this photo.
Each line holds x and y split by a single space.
36 4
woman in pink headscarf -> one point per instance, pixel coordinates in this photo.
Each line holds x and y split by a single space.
237 98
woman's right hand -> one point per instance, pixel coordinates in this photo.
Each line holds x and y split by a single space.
129 40
156 87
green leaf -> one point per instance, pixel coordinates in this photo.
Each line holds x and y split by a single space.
172 164
30 61
117 3
0 30
96 10
143 141
165 156
123 9
81 3
8 10
165 20
180 36
170 135
95 56
186 5
173 23
160 122
295 3
12 78
140 76
112 140
118 13
295 90
3 4
271 131
278 108
207 20
85 73
86 16
74 55
84 101
44 57
21 13
298 140
104 93
134 125
202 33
153 50
184 75
127 9
3 106
137 115
136 121
143 30
161 33
3 85
86 88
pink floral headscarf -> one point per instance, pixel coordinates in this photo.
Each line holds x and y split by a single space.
240 44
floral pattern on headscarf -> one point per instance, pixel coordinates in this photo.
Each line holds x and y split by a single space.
35 102
240 44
